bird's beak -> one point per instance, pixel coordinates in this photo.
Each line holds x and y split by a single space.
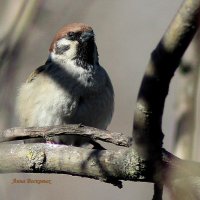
85 36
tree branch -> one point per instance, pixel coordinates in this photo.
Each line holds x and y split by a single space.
108 166
20 133
147 131
158 191
164 61
105 165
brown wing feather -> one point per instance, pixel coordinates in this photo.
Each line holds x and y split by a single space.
35 73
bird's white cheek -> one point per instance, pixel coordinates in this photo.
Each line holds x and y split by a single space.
72 51
67 54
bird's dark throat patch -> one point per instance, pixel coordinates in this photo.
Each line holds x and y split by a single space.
85 53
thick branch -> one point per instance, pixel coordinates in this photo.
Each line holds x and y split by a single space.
108 166
19 133
147 131
103 165
164 61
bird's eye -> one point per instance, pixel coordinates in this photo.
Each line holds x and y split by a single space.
71 34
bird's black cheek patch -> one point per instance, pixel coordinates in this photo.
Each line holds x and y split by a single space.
60 50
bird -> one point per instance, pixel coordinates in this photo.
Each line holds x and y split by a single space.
70 88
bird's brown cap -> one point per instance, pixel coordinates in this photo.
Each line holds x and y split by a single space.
74 27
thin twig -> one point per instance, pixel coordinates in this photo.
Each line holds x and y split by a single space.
19 133
158 191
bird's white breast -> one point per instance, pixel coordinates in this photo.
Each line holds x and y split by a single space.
88 100
44 103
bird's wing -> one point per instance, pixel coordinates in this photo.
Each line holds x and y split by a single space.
35 73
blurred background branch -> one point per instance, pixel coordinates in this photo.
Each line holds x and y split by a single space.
14 22
186 135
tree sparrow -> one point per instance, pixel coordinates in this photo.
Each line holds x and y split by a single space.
71 87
